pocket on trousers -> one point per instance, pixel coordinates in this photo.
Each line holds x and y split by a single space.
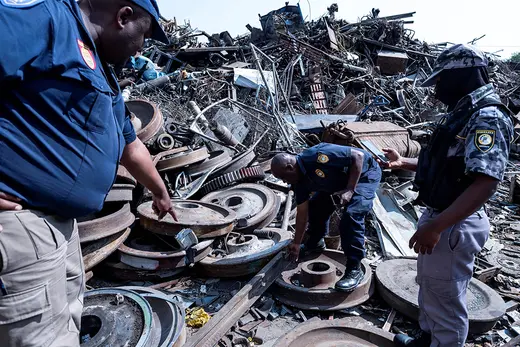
24 305
446 289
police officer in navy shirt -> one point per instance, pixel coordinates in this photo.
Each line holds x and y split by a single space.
63 131
320 176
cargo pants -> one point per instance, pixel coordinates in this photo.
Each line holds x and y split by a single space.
42 280
444 277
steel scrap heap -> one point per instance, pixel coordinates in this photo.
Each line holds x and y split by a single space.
214 109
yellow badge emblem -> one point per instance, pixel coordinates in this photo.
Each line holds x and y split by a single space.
87 55
320 173
485 140
323 159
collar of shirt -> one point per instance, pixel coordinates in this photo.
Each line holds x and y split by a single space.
474 97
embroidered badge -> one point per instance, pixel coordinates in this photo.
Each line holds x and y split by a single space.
323 159
87 55
20 3
485 140
320 173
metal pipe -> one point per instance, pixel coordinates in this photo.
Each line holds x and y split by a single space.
287 211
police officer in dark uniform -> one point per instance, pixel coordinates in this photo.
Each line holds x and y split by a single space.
63 131
319 176
457 173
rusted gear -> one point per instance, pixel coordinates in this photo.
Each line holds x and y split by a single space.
256 205
355 332
120 193
247 257
169 328
150 116
396 283
508 259
148 252
97 251
215 159
246 174
174 159
309 285
206 220
111 220
105 311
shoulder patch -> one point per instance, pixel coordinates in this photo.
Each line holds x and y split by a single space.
87 54
323 159
20 3
320 173
485 140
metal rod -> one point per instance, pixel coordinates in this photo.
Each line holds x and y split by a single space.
287 211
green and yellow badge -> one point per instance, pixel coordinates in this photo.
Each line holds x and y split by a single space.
323 159
320 173
485 140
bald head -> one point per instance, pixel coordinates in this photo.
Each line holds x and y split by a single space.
285 167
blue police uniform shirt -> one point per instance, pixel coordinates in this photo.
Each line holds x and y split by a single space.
63 123
325 168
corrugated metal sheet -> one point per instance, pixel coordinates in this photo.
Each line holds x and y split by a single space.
385 135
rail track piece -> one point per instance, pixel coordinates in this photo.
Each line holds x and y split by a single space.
148 252
211 333
338 333
120 193
256 206
216 159
97 251
246 174
206 220
174 159
108 314
111 220
248 260
150 116
169 329
396 283
309 285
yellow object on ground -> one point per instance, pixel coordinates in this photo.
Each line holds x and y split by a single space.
197 317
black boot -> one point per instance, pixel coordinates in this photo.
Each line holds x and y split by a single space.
402 340
351 279
308 249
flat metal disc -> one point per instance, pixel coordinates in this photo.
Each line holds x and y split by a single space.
114 218
115 317
247 262
215 160
115 270
175 160
290 290
255 205
150 116
206 220
120 193
337 333
97 251
396 283
508 259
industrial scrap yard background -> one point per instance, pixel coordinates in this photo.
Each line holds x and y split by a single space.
213 110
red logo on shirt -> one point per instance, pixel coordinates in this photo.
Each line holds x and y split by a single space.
87 55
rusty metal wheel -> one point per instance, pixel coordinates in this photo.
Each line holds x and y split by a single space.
111 220
150 116
206 220
174 159
148 252
247 257
309 284
256 206
216 159
508 259
112 269
124 177
97 251
120 193
338 333
396 283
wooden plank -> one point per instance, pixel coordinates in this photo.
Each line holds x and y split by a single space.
210 334
389 320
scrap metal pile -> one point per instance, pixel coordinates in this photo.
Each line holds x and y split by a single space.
212 115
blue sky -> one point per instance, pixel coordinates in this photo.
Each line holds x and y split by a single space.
435 21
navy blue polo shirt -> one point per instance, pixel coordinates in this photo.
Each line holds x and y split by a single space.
326 167
63 124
